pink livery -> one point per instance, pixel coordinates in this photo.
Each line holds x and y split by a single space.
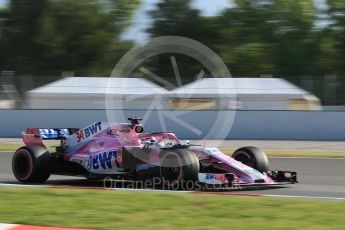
123 151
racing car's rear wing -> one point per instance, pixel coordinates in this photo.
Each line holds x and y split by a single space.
34 136
51 134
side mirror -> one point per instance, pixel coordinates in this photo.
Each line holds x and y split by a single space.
186 142
149 142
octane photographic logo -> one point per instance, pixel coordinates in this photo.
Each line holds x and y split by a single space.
157 183
215 123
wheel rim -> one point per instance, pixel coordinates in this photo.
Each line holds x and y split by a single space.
22 165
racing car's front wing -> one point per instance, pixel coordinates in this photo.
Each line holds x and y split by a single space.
232 180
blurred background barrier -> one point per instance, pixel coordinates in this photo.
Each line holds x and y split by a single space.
255 125
203 94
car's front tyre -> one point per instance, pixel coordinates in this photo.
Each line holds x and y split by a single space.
252 157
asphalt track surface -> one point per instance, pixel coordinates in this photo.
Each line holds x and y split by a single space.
318 177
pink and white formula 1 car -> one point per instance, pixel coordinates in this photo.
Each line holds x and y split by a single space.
123 151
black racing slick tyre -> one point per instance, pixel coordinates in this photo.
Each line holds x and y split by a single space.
253 157
32 164
179 167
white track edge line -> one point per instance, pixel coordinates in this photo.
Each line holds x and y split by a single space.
7 226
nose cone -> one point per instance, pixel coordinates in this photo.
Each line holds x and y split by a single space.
250 175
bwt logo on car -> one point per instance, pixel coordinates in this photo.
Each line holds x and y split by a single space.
106 160
210 177
89 131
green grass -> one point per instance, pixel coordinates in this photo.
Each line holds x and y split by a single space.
269 152
14 147
9 147
142 210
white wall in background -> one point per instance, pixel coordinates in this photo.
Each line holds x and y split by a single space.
270 125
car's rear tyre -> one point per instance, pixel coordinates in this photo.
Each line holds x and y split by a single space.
253 157
32 164
179 169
